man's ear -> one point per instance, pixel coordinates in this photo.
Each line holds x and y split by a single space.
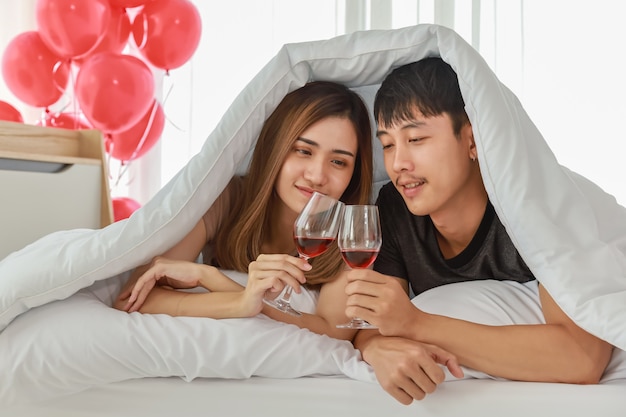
468 135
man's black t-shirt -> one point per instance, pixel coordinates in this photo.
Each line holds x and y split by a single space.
410 250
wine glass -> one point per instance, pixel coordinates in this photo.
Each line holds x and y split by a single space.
314 231
359 241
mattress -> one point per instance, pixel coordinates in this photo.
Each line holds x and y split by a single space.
332 396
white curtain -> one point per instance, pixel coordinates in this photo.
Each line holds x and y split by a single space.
563 58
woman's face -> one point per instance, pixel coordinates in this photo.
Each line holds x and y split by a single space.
322 159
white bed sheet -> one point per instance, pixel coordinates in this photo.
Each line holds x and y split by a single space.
329 396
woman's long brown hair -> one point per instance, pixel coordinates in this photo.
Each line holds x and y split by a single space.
239 239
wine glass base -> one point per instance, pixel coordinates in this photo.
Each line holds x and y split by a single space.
283 306
356 324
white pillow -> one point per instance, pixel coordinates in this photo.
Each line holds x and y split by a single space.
67 346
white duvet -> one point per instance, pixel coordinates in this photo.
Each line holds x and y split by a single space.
570 233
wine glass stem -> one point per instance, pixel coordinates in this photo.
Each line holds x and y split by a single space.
287 294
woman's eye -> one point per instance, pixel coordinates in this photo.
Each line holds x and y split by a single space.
387 147
303 151
339 162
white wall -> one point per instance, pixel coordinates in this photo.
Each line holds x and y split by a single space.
575 85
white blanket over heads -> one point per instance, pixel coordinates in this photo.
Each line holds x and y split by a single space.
570 233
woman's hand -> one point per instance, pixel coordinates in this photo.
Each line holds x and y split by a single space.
162 271
269 274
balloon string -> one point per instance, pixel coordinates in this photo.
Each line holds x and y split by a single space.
121 169
146 130
121 172
44 116
167 95
74 100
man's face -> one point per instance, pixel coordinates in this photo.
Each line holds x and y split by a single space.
429 165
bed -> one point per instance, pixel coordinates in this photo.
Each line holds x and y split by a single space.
65 352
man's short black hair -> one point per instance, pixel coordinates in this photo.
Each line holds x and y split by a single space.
429 85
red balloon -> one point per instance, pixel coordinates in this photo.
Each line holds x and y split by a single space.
115 36
139 139
71 28
123 207
71 121
33 73
114 91
167 32
128 3
10 113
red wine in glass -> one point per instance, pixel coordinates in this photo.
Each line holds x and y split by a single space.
310 247
359 258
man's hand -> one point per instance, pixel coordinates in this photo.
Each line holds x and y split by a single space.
406 369
382 301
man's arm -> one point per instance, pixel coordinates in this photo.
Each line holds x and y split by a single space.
406 369
558 351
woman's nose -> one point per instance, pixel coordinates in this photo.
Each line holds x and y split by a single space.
315 172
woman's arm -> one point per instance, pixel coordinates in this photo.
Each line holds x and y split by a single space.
174 274
217 305
329 313
189 247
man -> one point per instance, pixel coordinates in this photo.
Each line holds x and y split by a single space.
440 228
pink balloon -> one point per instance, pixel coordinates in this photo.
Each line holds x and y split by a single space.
114 91
71 28
71 121
139 139
167 32
10 113
123 207
33 73
115 36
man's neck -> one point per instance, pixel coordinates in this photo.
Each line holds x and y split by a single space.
457 225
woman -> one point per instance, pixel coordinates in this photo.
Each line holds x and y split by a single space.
317 139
